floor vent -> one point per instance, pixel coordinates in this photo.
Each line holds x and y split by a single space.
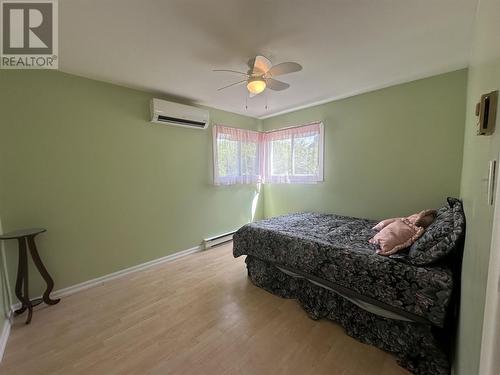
217 240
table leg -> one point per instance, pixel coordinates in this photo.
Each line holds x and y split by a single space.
23 254
43 271
20 276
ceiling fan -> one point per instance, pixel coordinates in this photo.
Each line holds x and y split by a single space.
261 73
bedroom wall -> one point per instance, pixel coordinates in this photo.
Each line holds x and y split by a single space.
388 152
80 158
484 76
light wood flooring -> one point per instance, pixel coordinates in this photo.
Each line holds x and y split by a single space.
195 315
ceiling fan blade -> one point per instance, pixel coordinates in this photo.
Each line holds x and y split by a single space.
276 85
284 68
232 84
259 64
228 70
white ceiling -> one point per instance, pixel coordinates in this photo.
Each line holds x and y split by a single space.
345 46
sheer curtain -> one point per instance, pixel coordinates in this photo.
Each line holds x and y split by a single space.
237 156
294 155
283 156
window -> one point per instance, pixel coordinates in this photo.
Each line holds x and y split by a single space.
291 155
294 155
236 156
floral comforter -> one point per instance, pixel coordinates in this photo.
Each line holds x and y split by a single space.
335 250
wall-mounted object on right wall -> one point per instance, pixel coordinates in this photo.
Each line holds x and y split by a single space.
486 109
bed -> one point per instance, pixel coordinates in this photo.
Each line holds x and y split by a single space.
404 304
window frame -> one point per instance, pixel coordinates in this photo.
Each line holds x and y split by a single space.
264 154
240 134
294 178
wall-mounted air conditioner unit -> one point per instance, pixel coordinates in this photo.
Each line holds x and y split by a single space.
163 112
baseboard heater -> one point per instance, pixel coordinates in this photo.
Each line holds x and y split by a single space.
217 240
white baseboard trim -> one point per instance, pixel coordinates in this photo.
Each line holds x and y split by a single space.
4 337
103 279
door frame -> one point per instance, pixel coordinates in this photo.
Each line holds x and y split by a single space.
490 343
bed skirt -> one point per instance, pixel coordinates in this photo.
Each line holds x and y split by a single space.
413 344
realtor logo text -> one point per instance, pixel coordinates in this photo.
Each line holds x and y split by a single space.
29 34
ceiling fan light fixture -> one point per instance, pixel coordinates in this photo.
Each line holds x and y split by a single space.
256 85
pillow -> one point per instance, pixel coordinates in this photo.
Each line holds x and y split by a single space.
441 237
422 219
398 235
385 223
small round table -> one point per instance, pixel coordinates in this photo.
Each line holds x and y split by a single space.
23 237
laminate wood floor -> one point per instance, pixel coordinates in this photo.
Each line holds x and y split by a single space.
195 315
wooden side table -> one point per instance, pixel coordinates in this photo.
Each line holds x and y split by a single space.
27 237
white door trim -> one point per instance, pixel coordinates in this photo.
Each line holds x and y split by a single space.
490 344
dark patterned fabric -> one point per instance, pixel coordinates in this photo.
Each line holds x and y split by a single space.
336 249
441 237
412 343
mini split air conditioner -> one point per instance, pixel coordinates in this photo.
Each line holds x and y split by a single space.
163 112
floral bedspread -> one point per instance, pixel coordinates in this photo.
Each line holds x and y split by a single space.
335 249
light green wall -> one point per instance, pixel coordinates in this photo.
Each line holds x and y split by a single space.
80 158
484 76
387 153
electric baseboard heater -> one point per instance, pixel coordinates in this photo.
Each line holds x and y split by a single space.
217 240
